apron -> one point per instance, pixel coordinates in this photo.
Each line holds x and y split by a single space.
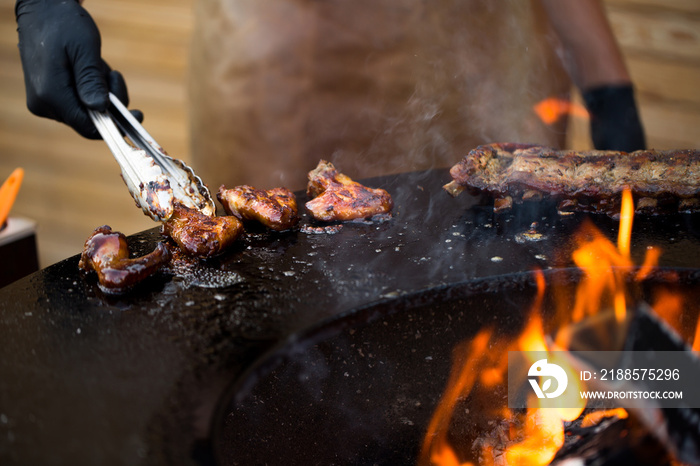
374 86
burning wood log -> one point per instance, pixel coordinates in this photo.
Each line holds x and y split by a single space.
641 340
611 440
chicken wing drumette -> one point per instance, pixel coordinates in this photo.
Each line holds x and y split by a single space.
107 253
336 197
275 208
200 235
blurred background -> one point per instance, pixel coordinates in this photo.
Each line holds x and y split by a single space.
72 185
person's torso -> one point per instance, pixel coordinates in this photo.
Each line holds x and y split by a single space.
376 86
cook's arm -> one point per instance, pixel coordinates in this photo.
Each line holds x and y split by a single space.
598 69
64 73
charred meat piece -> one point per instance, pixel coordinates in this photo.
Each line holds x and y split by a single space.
337 197
107 253
200 235
592 181
276 208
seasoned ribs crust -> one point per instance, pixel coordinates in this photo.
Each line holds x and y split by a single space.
580 179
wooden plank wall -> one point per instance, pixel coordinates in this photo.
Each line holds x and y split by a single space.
661 43
72 185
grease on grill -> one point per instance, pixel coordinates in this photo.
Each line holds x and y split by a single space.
193 272
530 235
322 230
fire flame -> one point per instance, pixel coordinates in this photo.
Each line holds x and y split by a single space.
435 446
543 431
669 306
594 418
534 438
550 110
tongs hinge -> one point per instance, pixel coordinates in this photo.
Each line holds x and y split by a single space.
155 180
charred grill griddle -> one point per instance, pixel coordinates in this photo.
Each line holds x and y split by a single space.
373 379
92 379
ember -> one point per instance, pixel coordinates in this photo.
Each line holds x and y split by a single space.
536 436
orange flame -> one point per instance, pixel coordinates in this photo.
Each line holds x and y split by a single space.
534 438
594 418
650 261
600 261
624 239
443 455
550 110
669 306
435 449
544 436
605 267
624 236
543 432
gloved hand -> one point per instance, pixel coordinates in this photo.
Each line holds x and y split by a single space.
615 123
64 74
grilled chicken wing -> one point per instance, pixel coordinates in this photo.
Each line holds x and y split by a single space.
337 197
200 235
276 208
107 253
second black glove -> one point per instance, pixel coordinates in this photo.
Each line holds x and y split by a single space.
615 123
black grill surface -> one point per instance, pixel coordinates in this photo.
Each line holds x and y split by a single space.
87 378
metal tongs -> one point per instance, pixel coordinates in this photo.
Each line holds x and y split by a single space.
155 180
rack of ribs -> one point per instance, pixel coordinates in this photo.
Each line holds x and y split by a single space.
592 181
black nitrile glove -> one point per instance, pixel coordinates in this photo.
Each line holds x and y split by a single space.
64 74
615 123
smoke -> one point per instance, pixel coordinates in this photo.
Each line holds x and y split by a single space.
375 88
468 74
